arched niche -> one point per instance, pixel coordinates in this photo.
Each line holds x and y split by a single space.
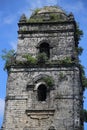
42 92
45 48
52 128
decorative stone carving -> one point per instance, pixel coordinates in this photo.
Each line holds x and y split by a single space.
40 114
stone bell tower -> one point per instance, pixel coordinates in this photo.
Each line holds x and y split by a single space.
44 90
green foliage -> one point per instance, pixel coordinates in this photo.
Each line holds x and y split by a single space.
30 60
66 60
9 57
7 54
49 81
35 19
36 11
85 115
51 16
23 29
61 75
79 50
79 33
42 58
84 81
83 77
54 17
31 20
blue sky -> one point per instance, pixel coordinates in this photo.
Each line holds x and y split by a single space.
10 12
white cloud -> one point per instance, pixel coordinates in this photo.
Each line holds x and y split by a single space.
14 45
52 2
35 4
27 11
39 3
2 104
76 7
32 5
9 19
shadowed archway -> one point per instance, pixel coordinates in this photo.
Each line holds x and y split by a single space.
45 48
42 92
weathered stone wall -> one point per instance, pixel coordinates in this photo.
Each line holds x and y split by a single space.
60 37
61 110
23 110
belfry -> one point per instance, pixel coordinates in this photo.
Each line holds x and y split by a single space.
44 89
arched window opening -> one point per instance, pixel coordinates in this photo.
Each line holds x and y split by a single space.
42 92
52 128
45 48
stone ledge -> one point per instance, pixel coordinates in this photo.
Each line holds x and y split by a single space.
36 69
16 98
44 31
46 22
40 114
